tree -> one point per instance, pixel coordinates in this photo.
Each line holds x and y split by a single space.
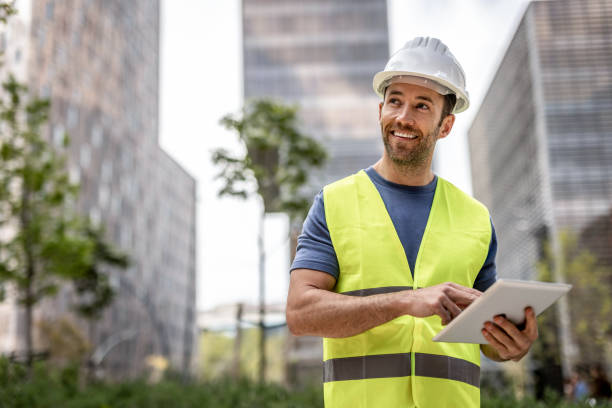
590 299
92 285
43 242
7 9
275 167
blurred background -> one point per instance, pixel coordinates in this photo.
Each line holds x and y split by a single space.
172 262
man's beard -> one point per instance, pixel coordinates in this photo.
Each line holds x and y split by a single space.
415 156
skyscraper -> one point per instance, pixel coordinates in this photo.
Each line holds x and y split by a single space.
541 143
321 55
98 62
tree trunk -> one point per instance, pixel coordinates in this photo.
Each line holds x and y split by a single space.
262 296
237 342
29 275
28 329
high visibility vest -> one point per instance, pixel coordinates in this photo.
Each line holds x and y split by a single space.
397 364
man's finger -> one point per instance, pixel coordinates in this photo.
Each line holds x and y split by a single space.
462 288
512 331
462 297
452 308
501 337
501 349
444 314
531 328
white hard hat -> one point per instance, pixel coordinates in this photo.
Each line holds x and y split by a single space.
428 62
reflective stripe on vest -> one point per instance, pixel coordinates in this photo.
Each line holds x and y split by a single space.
376 291
397 363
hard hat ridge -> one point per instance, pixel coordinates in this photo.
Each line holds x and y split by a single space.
425 61
430 42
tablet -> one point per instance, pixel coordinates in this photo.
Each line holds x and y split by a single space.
505 297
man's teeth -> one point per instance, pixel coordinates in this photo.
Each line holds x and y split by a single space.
405 135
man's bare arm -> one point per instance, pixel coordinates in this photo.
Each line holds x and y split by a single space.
313 309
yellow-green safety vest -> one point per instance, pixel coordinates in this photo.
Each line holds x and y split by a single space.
397 364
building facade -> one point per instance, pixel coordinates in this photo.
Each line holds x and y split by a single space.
98 63
321 56
541 143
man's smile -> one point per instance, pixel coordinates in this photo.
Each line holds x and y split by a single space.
403 135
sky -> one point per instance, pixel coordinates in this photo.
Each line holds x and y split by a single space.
201 81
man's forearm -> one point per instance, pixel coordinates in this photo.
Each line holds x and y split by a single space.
313 309
323 313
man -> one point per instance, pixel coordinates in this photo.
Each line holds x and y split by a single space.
389 255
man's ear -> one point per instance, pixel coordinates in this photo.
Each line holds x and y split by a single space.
446 126
380 105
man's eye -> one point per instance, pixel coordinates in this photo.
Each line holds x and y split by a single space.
394 100
422 106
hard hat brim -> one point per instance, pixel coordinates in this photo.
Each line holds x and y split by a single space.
463 101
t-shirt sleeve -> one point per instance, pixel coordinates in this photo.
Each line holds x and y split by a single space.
488 273
314 248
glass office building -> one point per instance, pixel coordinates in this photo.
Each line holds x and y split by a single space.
98 62
541 143
321 55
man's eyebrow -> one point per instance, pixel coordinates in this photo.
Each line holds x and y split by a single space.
425 98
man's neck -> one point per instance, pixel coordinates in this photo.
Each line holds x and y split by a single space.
407 176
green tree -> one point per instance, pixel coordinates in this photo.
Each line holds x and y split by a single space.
590 298
43 242
7 9
92 284
275 167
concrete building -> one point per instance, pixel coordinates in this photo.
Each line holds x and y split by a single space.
541 143
321 56
98 62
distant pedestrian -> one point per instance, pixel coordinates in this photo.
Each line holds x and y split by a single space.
579 390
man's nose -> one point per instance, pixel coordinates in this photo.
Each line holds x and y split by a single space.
405 117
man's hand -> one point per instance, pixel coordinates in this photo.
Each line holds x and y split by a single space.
445 300
506 340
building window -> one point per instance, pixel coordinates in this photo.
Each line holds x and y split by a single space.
58 135
85 156
72 117
49 10
96 136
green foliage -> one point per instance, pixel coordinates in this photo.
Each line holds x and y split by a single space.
93 284
278 157
61 388
43 241
590 298
216 355
7 9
